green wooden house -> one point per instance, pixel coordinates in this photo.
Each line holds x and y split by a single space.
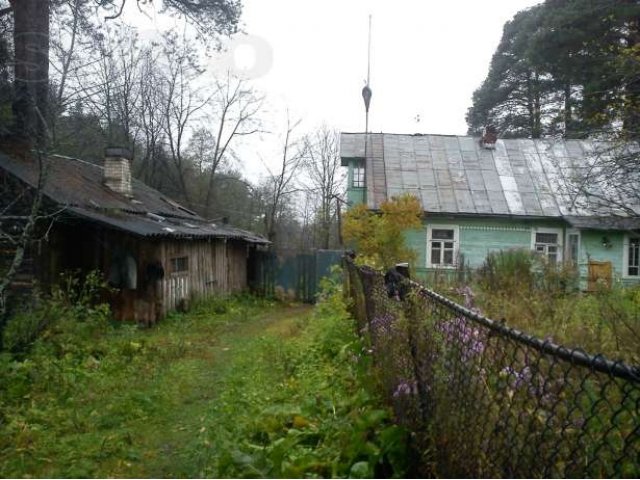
485 194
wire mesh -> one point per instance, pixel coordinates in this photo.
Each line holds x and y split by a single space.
484 400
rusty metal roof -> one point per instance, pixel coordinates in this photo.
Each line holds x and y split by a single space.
456 175
78 186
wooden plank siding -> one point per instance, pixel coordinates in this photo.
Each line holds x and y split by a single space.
214 267
237 254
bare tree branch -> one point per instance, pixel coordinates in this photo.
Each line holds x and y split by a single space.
113 17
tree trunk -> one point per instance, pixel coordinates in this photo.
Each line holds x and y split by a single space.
31 39
631 111
537 110
568 121
533 104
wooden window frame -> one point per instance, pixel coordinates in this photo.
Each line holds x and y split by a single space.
358 179
625 256
454 249
559 245
570 233
179 265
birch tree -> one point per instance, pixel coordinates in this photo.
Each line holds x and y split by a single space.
322 165
281 183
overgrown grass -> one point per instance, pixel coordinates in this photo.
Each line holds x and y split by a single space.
542 299
235 388
297 408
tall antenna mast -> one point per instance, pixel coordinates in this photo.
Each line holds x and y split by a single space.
366 91
369 53
366 96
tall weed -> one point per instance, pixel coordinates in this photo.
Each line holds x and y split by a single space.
72 305
304 409
541 298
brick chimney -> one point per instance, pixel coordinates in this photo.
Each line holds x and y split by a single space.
117 170
489 137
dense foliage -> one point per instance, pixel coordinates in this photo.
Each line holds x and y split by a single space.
236 388
378 237
543 299
305 412
564 67
485 402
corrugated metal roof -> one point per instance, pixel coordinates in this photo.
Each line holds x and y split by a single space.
78 186
456 175
167 227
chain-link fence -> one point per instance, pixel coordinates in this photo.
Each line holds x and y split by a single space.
484 400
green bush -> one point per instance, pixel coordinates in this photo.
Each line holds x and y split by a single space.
543 299
257 391
72 305
507 269
305 409
518 270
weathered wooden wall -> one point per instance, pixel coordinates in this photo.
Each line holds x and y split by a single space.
237 255
215 267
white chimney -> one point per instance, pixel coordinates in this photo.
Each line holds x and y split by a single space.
117 170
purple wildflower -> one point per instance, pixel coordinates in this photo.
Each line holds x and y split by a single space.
462 333
382 324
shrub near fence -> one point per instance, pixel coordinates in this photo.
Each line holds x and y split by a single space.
485 400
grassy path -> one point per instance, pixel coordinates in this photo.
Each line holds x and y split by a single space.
242 388
175 441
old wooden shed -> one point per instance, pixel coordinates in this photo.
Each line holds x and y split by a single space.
158 254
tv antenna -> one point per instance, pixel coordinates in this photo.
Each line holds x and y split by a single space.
366 91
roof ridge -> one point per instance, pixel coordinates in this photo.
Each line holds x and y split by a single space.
453 135
85 162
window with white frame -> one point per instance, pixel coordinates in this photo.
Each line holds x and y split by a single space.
442 245
632 264
358 175
573 246
548 242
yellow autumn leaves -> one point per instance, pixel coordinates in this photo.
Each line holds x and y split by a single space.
378 236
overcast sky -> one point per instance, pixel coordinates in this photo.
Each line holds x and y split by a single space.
427 58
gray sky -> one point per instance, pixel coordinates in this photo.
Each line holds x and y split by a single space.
427 58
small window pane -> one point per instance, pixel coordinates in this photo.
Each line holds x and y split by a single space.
358 176
448 244
574 241
442 234
180 264
435 256
548 238
634 257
